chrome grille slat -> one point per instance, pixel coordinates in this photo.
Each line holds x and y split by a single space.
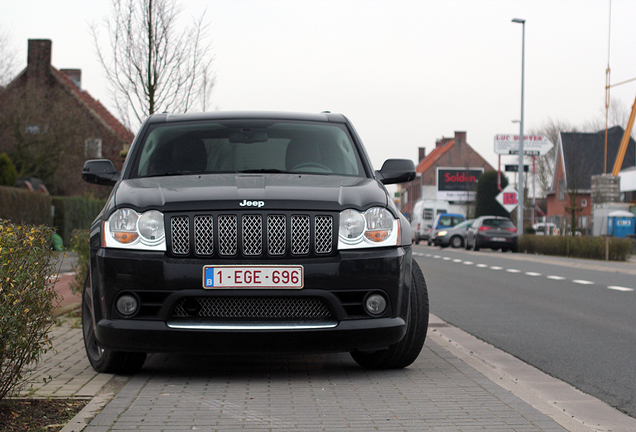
228 235
300 234
273 235
276 235
203 235
180 227
252 235
324 230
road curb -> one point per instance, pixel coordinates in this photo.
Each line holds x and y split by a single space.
571 408
79 422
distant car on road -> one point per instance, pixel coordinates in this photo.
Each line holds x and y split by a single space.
494 232
455 236
443 222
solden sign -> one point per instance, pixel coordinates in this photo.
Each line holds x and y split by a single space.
457 184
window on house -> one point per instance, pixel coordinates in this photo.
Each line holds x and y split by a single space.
561 190
93 148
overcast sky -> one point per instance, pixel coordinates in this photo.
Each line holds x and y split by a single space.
406 73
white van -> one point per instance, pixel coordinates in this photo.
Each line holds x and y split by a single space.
424 212
545 229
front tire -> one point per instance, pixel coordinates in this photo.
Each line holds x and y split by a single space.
406 351
456 242
102 359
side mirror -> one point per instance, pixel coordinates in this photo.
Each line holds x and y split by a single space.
396 171
101 172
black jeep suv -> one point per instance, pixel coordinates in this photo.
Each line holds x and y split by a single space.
235 232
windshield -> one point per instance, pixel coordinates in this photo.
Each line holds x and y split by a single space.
498 223
250 146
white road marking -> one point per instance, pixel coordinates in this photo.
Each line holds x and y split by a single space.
513 271
533 274
468 262
556 277
436 256
583 282
496 268
620 288
447 258
457 260
482 265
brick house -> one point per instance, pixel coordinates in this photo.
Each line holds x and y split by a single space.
50 126
452 158
578 157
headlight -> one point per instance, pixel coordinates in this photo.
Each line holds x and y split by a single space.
375 227
128 229
442 233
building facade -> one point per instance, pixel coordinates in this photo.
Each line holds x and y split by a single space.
49 125
449 173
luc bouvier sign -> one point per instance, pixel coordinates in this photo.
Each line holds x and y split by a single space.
533 145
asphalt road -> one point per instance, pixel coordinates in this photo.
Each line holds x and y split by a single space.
575 322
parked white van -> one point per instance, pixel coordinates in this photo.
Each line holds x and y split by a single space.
545 229
424 212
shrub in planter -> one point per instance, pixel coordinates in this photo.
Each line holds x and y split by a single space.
27 300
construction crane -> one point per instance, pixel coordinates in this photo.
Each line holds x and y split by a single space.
624 142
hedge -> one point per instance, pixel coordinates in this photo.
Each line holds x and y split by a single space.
577 246
22 206
75 213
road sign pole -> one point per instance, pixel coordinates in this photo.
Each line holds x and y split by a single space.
521 154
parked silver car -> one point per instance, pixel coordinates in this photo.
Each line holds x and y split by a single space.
455 236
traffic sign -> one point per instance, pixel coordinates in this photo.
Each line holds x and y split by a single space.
533 145
508 198
515 168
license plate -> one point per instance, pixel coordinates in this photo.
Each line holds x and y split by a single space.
287 277
498 239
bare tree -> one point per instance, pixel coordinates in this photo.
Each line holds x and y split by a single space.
152 65
545 164
7 59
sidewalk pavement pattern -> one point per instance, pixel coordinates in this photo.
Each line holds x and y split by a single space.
458 383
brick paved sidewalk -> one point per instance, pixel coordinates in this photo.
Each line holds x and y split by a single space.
442 390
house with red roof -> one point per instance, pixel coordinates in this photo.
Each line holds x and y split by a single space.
49 125
449 173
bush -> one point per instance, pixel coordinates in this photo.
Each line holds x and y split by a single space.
22 206
27 300
75 213
8 173
576 246
80 244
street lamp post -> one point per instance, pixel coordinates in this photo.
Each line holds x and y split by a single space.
521 153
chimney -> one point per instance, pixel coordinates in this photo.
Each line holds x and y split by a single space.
460 138
421 154
74 75
39 57
441 142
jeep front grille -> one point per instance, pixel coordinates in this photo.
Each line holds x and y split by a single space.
251 235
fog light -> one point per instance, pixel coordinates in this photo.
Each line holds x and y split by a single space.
375 304
127 305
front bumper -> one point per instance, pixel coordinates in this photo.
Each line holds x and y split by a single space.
163 285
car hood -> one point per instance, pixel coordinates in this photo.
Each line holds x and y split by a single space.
249 191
